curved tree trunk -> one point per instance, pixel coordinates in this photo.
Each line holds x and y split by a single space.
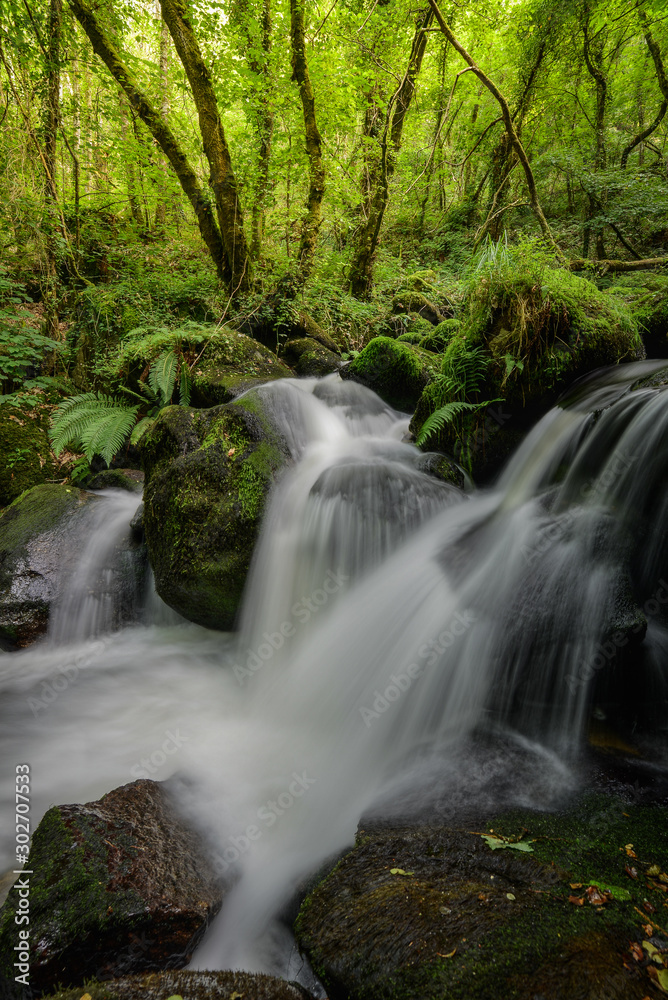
51 121
366 243
316 191
223 180
507 120
161 133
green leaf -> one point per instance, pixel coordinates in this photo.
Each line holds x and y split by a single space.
162 376
615 891
498 843
445 415
400 871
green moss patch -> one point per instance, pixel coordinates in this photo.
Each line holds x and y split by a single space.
398 372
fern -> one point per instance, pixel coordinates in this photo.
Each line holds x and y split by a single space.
162 376
99 424
445 415
185 385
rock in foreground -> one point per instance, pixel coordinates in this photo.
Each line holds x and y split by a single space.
120 885
191 986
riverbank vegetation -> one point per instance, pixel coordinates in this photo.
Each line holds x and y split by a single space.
329 173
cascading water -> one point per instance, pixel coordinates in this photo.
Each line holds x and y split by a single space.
388 620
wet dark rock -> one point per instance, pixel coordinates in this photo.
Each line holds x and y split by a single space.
208 475
190 985
459 920
131 480
118 886
40 542
309 358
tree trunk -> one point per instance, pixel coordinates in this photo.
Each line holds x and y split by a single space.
223 180
593 55
51 122
316 191
366 243
128 159
264 123
161 133
161 203
507 120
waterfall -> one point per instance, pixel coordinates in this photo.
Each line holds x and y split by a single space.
403 645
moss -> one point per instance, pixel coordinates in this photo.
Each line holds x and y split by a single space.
36 511
411 337
398 372
231 364
190 985
71 904
208 474
438 338
309 358
557 325
26 456
449 929
647 297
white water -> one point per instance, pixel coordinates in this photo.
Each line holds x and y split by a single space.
416 619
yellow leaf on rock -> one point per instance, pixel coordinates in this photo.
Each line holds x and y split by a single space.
400 871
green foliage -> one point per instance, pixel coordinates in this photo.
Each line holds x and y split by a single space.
99 424
22 348
445 415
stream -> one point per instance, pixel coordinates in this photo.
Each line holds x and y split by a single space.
404 648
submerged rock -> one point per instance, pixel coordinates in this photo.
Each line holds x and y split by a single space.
398 372
40 541
118 886
208 474
435 912
190 985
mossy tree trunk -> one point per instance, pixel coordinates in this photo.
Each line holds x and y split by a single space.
223 180
366 242
161 132
259 61
662 80
300 74
161 204
129 161
51 120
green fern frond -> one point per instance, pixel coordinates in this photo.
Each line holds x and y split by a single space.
162 376
445 415
99 423
140 429
185 385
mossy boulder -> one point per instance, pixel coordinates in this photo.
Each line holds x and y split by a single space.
307 357
398 372
117 886
26 458
433 912
543 328
40 542
208 475
411 337
438 338
646 295
231 363
411 301
190 985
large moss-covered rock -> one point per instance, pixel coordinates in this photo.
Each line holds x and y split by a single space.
208 474
646 294
435 913
26 458
116 886
230 364
411 301
190 985
40 541
398 372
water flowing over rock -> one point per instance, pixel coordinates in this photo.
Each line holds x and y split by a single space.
116 886
40 549
390 622
195 986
